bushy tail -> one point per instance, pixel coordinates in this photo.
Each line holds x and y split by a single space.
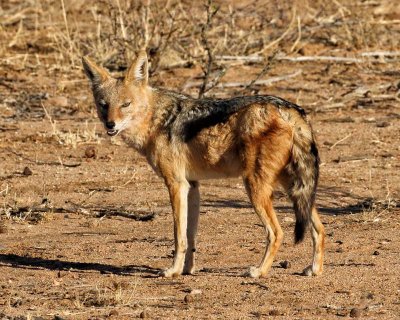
303 172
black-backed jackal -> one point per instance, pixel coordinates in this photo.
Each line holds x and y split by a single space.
264 139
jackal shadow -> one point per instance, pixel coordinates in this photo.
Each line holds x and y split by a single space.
26 262
330 201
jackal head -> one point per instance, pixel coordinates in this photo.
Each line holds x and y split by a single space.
119 101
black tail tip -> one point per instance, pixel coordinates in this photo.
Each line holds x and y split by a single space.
300 231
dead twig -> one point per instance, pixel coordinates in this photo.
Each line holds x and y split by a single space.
137 216
211 12
330 107
131 215
38 209
19 16
240 58
385 22
273 43
335 59
46 163
71 46
381 54
353 159
164 42
298 36
340 141
266 68
321 58
243 84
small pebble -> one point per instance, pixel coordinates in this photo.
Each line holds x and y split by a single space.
58 101
27 172
196 291
355 313
90 152
144 315
15 302
376 253
113 313
274 313
383 124
3 228
285 264
188 298
368 295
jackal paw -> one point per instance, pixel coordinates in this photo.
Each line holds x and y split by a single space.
254 272
310 271
188 270
170 273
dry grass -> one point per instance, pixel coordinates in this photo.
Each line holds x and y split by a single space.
117 293
41 44
50 37
56 33
84 135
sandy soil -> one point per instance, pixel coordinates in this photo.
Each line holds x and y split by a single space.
86 225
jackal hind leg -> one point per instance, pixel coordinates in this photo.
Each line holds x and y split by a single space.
318 239
192 223
178 191
260 194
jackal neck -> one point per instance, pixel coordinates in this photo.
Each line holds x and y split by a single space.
141 124
155 123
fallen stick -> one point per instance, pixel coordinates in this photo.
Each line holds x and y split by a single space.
341 140
353 159
322 58
381 54
261 82
243 84
330 107
384 22
287 58
254 58
41 163
240 58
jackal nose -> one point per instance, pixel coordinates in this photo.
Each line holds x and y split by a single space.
110 124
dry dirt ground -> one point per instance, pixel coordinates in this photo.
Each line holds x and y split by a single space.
85 224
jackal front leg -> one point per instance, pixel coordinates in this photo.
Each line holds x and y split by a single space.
178 191
192 223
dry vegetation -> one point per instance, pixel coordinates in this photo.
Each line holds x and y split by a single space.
84 224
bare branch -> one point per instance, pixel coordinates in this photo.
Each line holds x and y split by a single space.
204 41
266 68
243 84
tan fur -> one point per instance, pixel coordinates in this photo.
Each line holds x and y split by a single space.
186 140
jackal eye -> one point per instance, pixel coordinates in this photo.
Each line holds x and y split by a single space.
126 104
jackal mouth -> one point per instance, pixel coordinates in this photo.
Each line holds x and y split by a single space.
112 132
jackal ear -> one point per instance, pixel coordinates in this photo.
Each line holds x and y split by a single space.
95 73
138 71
